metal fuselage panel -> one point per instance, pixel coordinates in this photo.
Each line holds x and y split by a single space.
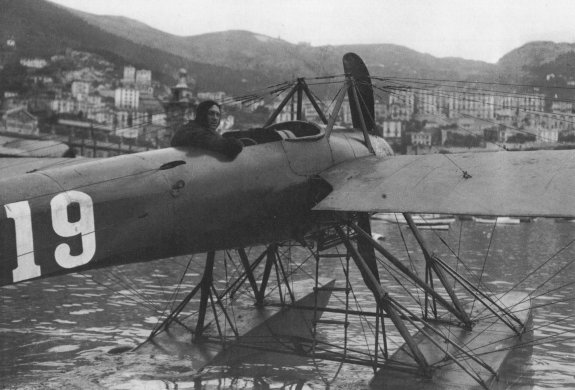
160 203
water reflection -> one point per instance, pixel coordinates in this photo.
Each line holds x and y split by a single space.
57 332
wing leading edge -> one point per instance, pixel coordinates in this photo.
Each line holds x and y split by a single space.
537 183
16 166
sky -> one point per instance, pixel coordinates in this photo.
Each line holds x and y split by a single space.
473 29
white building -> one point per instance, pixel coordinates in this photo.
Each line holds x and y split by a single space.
129 78
421 138
127 98
80 89
62 106
19 120
36 63
392 129
547 135
215 96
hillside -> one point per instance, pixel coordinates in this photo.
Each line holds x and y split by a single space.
240 61
42 29
243 50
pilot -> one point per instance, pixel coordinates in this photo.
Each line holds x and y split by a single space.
201 132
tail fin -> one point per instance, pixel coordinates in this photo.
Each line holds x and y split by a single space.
355 67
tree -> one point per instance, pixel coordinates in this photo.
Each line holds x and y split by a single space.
13 78
461 140
521 138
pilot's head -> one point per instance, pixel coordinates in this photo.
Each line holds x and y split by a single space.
208 114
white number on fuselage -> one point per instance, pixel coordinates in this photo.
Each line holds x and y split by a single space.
20 212
64 228
27 268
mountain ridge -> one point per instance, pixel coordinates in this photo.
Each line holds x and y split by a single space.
239 60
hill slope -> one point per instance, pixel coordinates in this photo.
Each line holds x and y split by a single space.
239 61
42 29
243 50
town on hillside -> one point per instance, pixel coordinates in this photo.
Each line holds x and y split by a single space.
81 100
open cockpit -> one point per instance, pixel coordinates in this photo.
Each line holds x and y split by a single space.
289 131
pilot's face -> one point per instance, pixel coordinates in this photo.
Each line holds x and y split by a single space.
214 116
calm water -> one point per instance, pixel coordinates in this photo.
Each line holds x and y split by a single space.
56 333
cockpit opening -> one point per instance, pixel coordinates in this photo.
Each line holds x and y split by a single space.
291 130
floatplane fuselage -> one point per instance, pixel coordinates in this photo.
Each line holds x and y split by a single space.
83 214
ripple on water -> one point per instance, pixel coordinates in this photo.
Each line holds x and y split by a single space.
65 322
85 311
64 348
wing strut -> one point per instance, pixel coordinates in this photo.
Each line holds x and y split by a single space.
301 88
431 264
385 302
397 263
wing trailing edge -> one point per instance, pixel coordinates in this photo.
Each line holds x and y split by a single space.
536 183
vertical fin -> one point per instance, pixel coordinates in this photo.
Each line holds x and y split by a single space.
354 66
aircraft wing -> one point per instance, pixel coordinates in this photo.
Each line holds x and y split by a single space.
14 166
536 183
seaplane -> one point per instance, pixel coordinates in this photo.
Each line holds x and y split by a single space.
295 184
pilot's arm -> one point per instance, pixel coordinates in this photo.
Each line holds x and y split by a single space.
194 135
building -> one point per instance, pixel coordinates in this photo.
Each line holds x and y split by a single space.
469 104
19 120
181 105
80 89
144 80
36 63
63 106
129 78
547 135
392 130
421 138
215 96
561 107
127 98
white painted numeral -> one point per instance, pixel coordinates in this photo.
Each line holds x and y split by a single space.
64 228
26 267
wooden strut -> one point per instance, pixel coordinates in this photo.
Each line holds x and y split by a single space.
335 112
434 263
208 293
266 276
438 271
345 311
205 284
389 305
480 296
397 263
383 300
272 260
248 271
301 88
